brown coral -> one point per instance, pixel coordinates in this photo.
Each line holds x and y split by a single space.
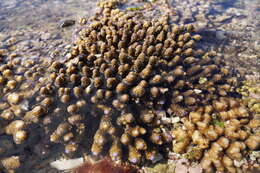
218 132
125 80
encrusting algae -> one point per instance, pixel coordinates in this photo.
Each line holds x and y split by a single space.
125 81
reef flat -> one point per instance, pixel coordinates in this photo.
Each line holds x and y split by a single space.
135 89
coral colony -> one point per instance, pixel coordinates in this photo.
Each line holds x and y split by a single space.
135 89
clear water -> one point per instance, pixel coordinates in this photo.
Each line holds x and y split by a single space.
233 22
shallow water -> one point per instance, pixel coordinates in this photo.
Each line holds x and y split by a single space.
232 22
32 28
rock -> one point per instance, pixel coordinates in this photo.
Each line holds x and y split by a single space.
200 25
183 166
197 91
195 169
45 36
254 155
14 98
3 106
63 164
3 51
221 19
221 35
200 17
6 145
7 115
159 168
68 46
25 45
11 40
176 120
175 18
168 167
239 163
67 23
11 162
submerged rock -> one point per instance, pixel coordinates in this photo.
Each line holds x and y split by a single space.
67 23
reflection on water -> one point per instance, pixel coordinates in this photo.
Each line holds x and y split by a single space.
230 17
23 13
34 26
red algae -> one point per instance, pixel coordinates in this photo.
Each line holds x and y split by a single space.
104 166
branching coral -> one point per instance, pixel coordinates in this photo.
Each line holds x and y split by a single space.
222 131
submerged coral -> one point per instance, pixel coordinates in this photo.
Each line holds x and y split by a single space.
219 134
123 85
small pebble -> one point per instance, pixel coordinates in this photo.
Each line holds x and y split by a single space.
67 23
14 98
11 162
